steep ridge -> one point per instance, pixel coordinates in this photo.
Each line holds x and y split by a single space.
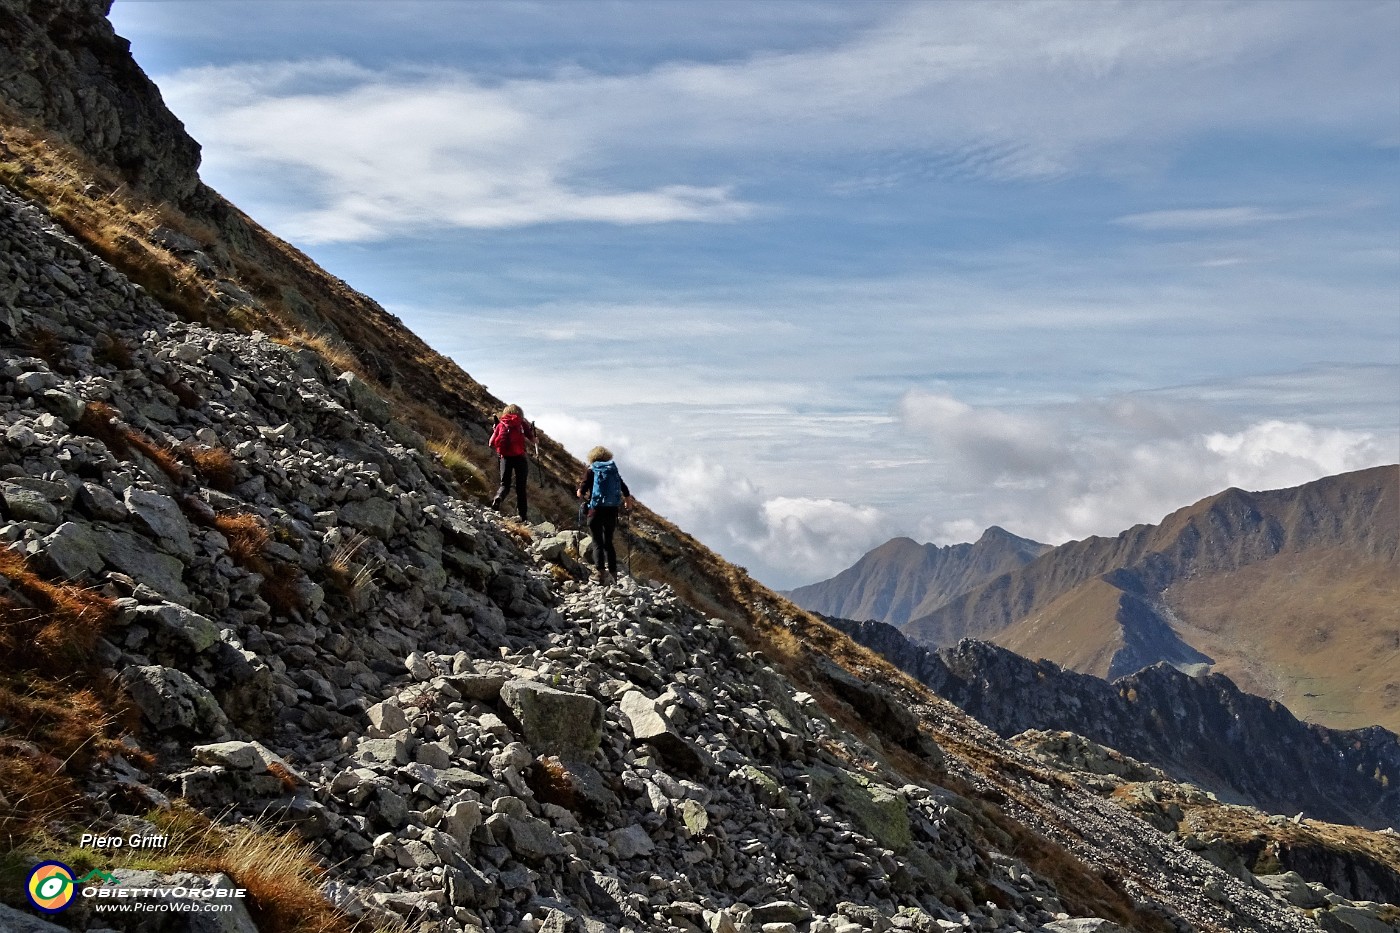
1201 730
1192 591
314 629
902 580
252 545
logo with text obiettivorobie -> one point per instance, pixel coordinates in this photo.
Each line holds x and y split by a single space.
51 886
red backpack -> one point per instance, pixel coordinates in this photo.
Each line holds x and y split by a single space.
509 439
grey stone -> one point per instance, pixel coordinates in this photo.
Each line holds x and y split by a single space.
382 751
461 820
364 399
375 516
138 560
781 912
478 686
433 754
186 626
172 700
1354 918
161 516
385 719
648 725
28 505
1294 889
630 842
16 921
555 722
532 840
99 503
70 552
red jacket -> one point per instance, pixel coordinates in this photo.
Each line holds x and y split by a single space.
511 436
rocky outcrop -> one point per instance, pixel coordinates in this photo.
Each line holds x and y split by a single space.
1198 729
63 65
902 580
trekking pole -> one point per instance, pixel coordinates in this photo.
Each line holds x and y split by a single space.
539 468
627 537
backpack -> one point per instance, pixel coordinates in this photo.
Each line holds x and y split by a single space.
607 485
510 440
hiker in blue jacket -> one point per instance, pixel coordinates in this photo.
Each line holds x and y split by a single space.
606 495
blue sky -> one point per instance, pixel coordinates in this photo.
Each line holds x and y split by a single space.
823 274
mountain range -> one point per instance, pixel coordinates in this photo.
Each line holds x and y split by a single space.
1292 593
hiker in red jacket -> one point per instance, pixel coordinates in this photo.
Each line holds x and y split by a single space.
511 439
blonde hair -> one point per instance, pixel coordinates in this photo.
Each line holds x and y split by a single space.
512 410
599 453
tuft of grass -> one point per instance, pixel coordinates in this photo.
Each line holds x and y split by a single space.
48 626
454 456
549 779
57 713
337 355
103 422
518 530
344 573
215 465
248 537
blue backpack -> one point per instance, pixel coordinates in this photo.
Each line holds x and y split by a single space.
607 485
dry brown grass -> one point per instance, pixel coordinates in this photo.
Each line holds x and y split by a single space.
55 625
548 777
215 465
60 715
339 357
279 870
100 210
248 537
103 422
454 455
346 572
518 530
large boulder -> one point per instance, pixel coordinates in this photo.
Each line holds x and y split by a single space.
648 725
555 722
171 701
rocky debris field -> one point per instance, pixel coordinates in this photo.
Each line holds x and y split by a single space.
319 633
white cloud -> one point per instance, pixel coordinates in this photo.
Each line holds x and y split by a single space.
782 539
390 154
1097 467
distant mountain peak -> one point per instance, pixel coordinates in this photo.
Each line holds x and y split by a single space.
902 578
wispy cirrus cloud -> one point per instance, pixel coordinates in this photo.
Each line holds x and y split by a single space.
1207 218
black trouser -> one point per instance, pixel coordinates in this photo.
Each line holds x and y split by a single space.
601 524
517 468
